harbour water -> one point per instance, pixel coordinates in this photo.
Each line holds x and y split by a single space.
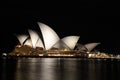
59 69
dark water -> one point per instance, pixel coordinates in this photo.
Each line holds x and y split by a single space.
59 69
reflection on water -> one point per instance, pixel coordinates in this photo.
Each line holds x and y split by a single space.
59 69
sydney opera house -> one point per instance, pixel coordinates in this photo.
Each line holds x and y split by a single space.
47 43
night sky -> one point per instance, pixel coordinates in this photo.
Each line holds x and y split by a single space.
93 21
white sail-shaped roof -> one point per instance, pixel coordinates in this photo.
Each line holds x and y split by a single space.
91 46
39 43
60 44
28 42
34 37
22 38
70 41
81 47
50 37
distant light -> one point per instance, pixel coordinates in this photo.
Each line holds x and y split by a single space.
88 52
4 54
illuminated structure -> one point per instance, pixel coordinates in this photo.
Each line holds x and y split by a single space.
91 46
68 42
50 37
50 44
22 38
86 47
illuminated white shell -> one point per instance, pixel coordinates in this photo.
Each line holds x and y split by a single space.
91 46
22 38
28 42
39 43
34 37
71 41
60 44
50 37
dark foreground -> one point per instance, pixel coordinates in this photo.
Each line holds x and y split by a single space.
59 69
